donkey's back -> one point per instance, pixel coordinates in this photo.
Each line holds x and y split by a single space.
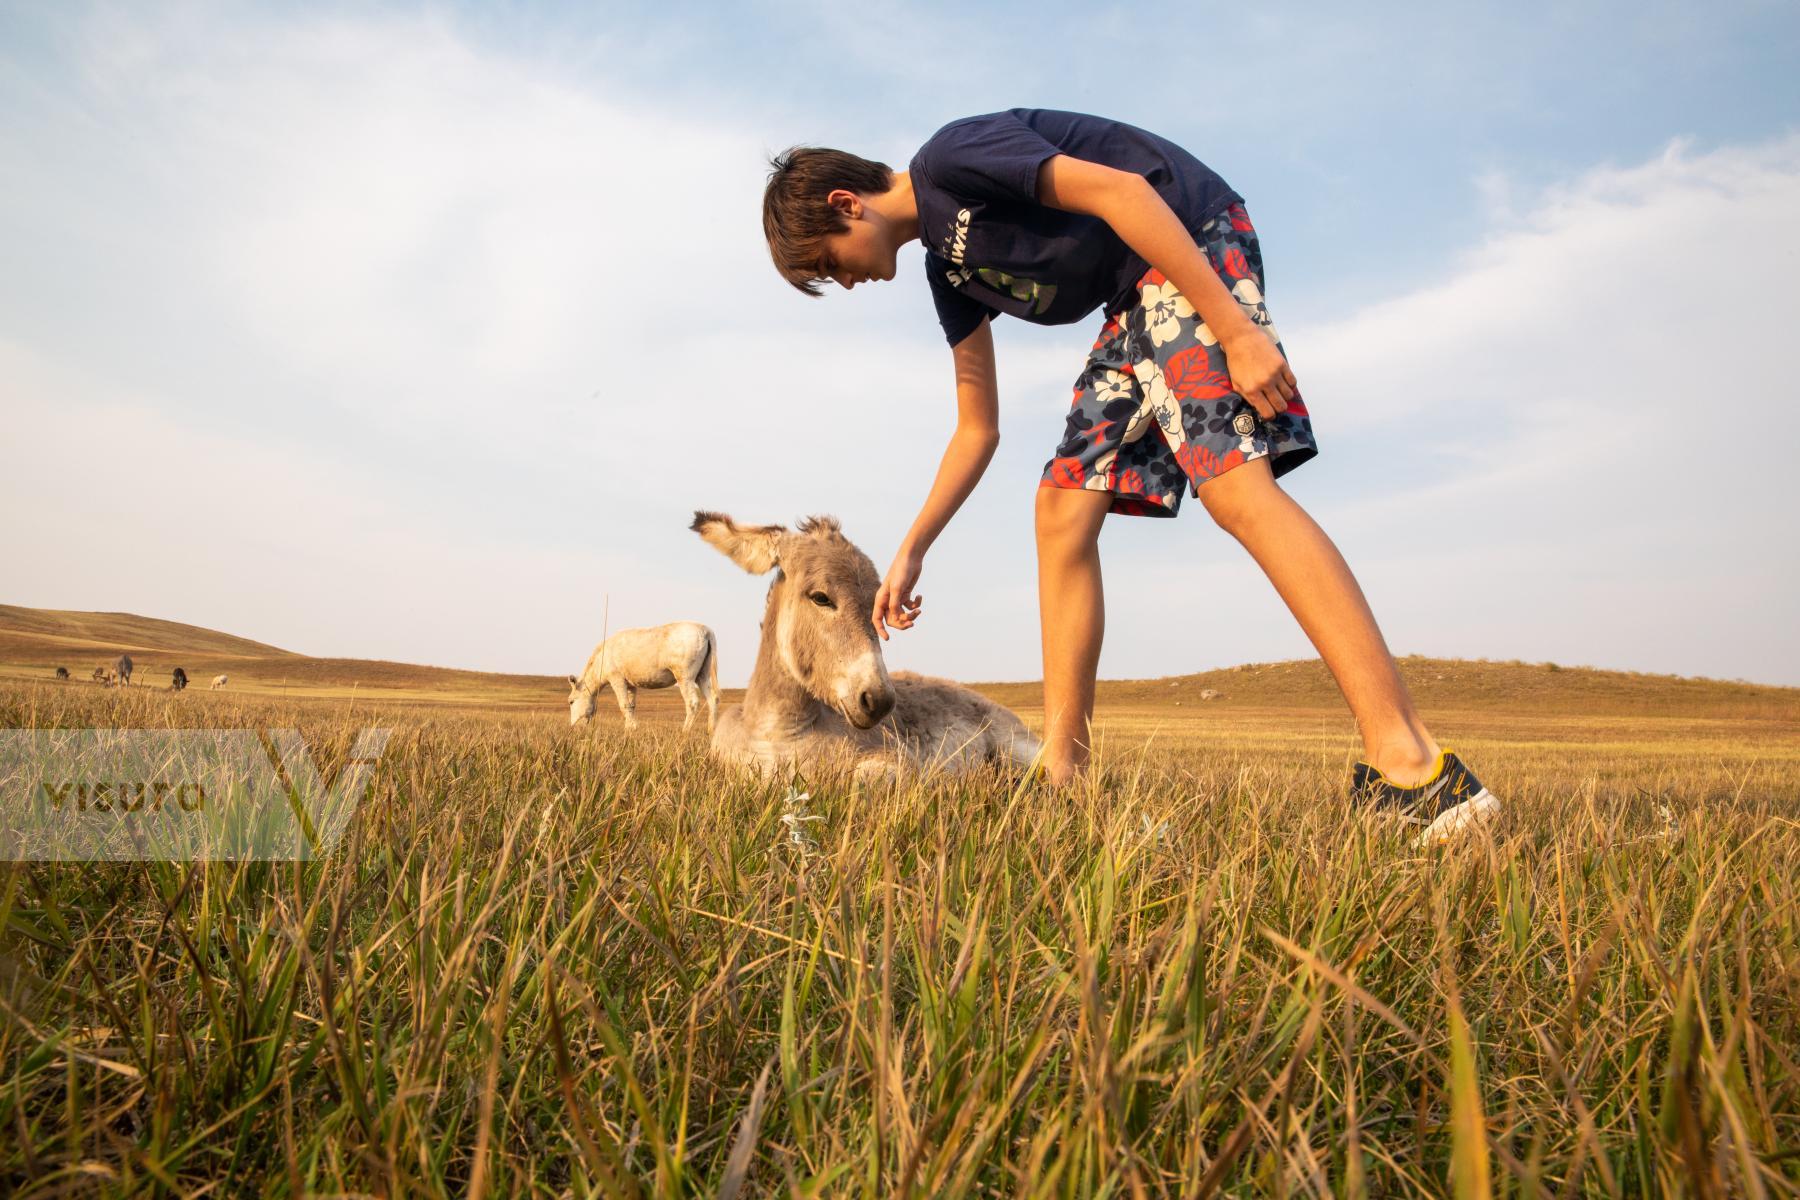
941 723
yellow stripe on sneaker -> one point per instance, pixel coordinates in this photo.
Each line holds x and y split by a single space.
1437 769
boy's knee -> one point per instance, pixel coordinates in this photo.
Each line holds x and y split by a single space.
1066 516
1239 495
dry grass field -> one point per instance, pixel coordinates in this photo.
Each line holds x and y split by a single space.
561 962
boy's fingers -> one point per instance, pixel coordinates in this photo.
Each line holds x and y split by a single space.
899 615
1257 395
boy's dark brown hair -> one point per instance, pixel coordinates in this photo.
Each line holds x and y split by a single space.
795 215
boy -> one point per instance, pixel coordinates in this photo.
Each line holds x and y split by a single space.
1048 216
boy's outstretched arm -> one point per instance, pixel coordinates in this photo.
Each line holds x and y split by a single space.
971 449
1144 221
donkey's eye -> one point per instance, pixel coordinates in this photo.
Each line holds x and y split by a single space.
820 599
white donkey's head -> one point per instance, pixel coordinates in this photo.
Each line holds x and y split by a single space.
820 601
581 700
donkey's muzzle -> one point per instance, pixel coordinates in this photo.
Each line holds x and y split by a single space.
872 704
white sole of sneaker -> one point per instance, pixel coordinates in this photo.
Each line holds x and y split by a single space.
1453 822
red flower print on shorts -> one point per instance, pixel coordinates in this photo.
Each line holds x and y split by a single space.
1191 376
1201 464
1099 432
1067 472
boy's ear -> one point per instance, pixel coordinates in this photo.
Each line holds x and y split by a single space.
752 547
845 201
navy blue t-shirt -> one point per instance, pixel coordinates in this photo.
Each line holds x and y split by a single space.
990 247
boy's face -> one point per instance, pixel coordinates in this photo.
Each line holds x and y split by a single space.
862 252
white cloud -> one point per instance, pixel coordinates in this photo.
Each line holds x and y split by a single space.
1611 273
381 205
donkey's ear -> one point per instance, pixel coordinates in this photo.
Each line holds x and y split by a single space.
752 547
574 682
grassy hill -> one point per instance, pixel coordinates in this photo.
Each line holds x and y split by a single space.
1446 683
79 632
33 642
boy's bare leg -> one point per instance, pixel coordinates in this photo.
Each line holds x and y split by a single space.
1073 611
1315 582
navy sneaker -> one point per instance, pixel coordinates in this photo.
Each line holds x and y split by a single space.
1445 805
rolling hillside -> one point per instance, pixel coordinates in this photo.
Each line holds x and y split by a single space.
1448 683
34 642
111 631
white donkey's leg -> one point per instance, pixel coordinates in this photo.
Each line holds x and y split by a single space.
690 701
627 696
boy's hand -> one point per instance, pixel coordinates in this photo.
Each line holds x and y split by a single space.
895 604
1259 373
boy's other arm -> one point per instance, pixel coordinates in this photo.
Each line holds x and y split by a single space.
1144 221
970 450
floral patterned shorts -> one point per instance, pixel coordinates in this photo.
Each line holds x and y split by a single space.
1154 408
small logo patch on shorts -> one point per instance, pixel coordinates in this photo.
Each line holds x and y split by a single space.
1244 424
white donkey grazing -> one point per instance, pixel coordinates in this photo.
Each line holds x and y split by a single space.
220 681
820 691
681 654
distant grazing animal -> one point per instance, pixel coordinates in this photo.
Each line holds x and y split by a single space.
220 681
62 672
820 691
101 675
122 669
178 680
681 654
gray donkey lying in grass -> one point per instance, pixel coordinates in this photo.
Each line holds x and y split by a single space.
820 693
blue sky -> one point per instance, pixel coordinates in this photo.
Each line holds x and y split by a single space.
416 332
